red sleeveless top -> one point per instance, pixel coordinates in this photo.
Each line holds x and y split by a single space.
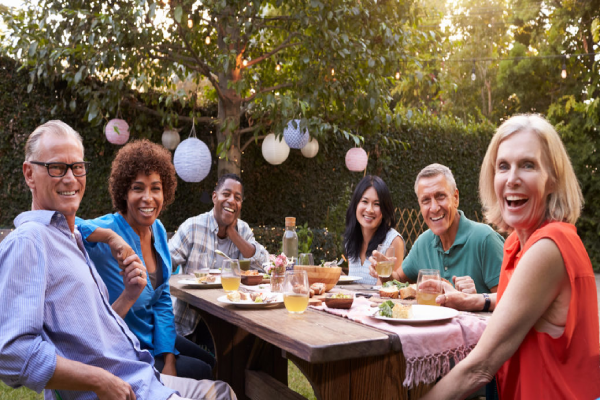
567 367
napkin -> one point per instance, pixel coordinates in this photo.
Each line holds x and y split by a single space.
428 348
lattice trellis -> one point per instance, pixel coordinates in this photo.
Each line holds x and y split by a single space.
410 224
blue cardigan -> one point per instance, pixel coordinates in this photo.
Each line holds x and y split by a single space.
151 317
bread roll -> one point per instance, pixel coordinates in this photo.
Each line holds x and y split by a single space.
389 292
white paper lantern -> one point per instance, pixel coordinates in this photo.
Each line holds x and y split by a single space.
294 137
311 149
356 159
192 160
274 150
117 131
170 139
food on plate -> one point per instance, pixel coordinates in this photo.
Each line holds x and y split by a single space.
389 292
408 292
298 288
311 293
234 296
401 311
251 272
244 296
398 311
318 287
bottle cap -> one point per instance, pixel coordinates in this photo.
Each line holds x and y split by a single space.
290 221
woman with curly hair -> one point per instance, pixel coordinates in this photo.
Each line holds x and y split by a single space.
142 183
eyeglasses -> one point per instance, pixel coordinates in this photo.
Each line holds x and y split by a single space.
59 169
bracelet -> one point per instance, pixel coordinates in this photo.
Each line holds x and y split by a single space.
486 306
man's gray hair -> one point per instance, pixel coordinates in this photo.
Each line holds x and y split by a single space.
54 127
435 170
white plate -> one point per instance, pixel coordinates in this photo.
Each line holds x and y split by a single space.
348 279
250 303
423 314
214 271
193 282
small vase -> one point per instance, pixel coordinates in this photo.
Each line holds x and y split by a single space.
277 278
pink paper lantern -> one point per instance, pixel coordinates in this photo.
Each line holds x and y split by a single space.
356 159
117 131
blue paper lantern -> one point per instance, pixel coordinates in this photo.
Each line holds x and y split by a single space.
295 138
192 160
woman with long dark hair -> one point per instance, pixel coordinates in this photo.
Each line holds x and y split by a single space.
369 223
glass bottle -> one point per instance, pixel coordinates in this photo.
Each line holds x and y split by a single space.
290 239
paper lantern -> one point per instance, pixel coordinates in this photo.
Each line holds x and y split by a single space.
294 137
274 150
311 149
192 160
170 139
117 131
356 159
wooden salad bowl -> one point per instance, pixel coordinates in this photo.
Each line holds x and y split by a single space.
327 275
332 302
252 280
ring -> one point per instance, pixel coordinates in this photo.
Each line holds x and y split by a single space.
141 274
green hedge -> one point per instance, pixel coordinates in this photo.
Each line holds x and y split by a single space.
316 191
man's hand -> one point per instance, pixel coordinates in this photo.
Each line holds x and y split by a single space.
134 277
464 284
231 229
455 299
114 388
170 365
120 249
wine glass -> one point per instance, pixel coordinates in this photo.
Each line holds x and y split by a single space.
230 275
385 258
429 286
197 267
306 259
296 291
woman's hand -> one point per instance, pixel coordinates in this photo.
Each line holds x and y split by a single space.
170 364
373 260
134 277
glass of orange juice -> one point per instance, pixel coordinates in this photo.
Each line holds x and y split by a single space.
429 286
230 275
296 291
385 260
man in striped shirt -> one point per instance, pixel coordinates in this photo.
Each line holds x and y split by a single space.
218 229
59 332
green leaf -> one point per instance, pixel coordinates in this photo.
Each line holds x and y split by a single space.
178 13
32 48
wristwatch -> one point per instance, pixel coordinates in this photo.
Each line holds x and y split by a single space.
486 306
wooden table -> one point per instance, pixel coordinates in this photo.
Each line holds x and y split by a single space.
341 358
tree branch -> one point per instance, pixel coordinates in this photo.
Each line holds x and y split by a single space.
139 106
252 140
204 67
269 89
285 44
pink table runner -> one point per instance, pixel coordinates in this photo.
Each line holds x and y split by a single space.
427 348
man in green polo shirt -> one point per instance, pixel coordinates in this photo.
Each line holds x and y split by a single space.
467 253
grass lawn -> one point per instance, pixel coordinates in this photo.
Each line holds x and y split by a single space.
296 381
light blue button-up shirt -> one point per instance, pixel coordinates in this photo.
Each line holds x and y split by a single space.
53 302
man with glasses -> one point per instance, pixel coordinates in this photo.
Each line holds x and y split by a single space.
59 331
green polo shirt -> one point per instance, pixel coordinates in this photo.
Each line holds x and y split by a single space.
476 251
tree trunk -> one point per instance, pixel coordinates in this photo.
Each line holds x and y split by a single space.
230 111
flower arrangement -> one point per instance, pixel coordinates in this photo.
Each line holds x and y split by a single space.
277 263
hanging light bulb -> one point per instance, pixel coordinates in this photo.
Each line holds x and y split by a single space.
473 76
245 62
563 73
332 71
207 40
397 76
278 66
190 23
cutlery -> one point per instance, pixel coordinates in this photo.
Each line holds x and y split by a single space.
219 252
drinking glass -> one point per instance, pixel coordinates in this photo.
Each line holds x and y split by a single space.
296 291
198 267
429 286
230 275
385 258
306 259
